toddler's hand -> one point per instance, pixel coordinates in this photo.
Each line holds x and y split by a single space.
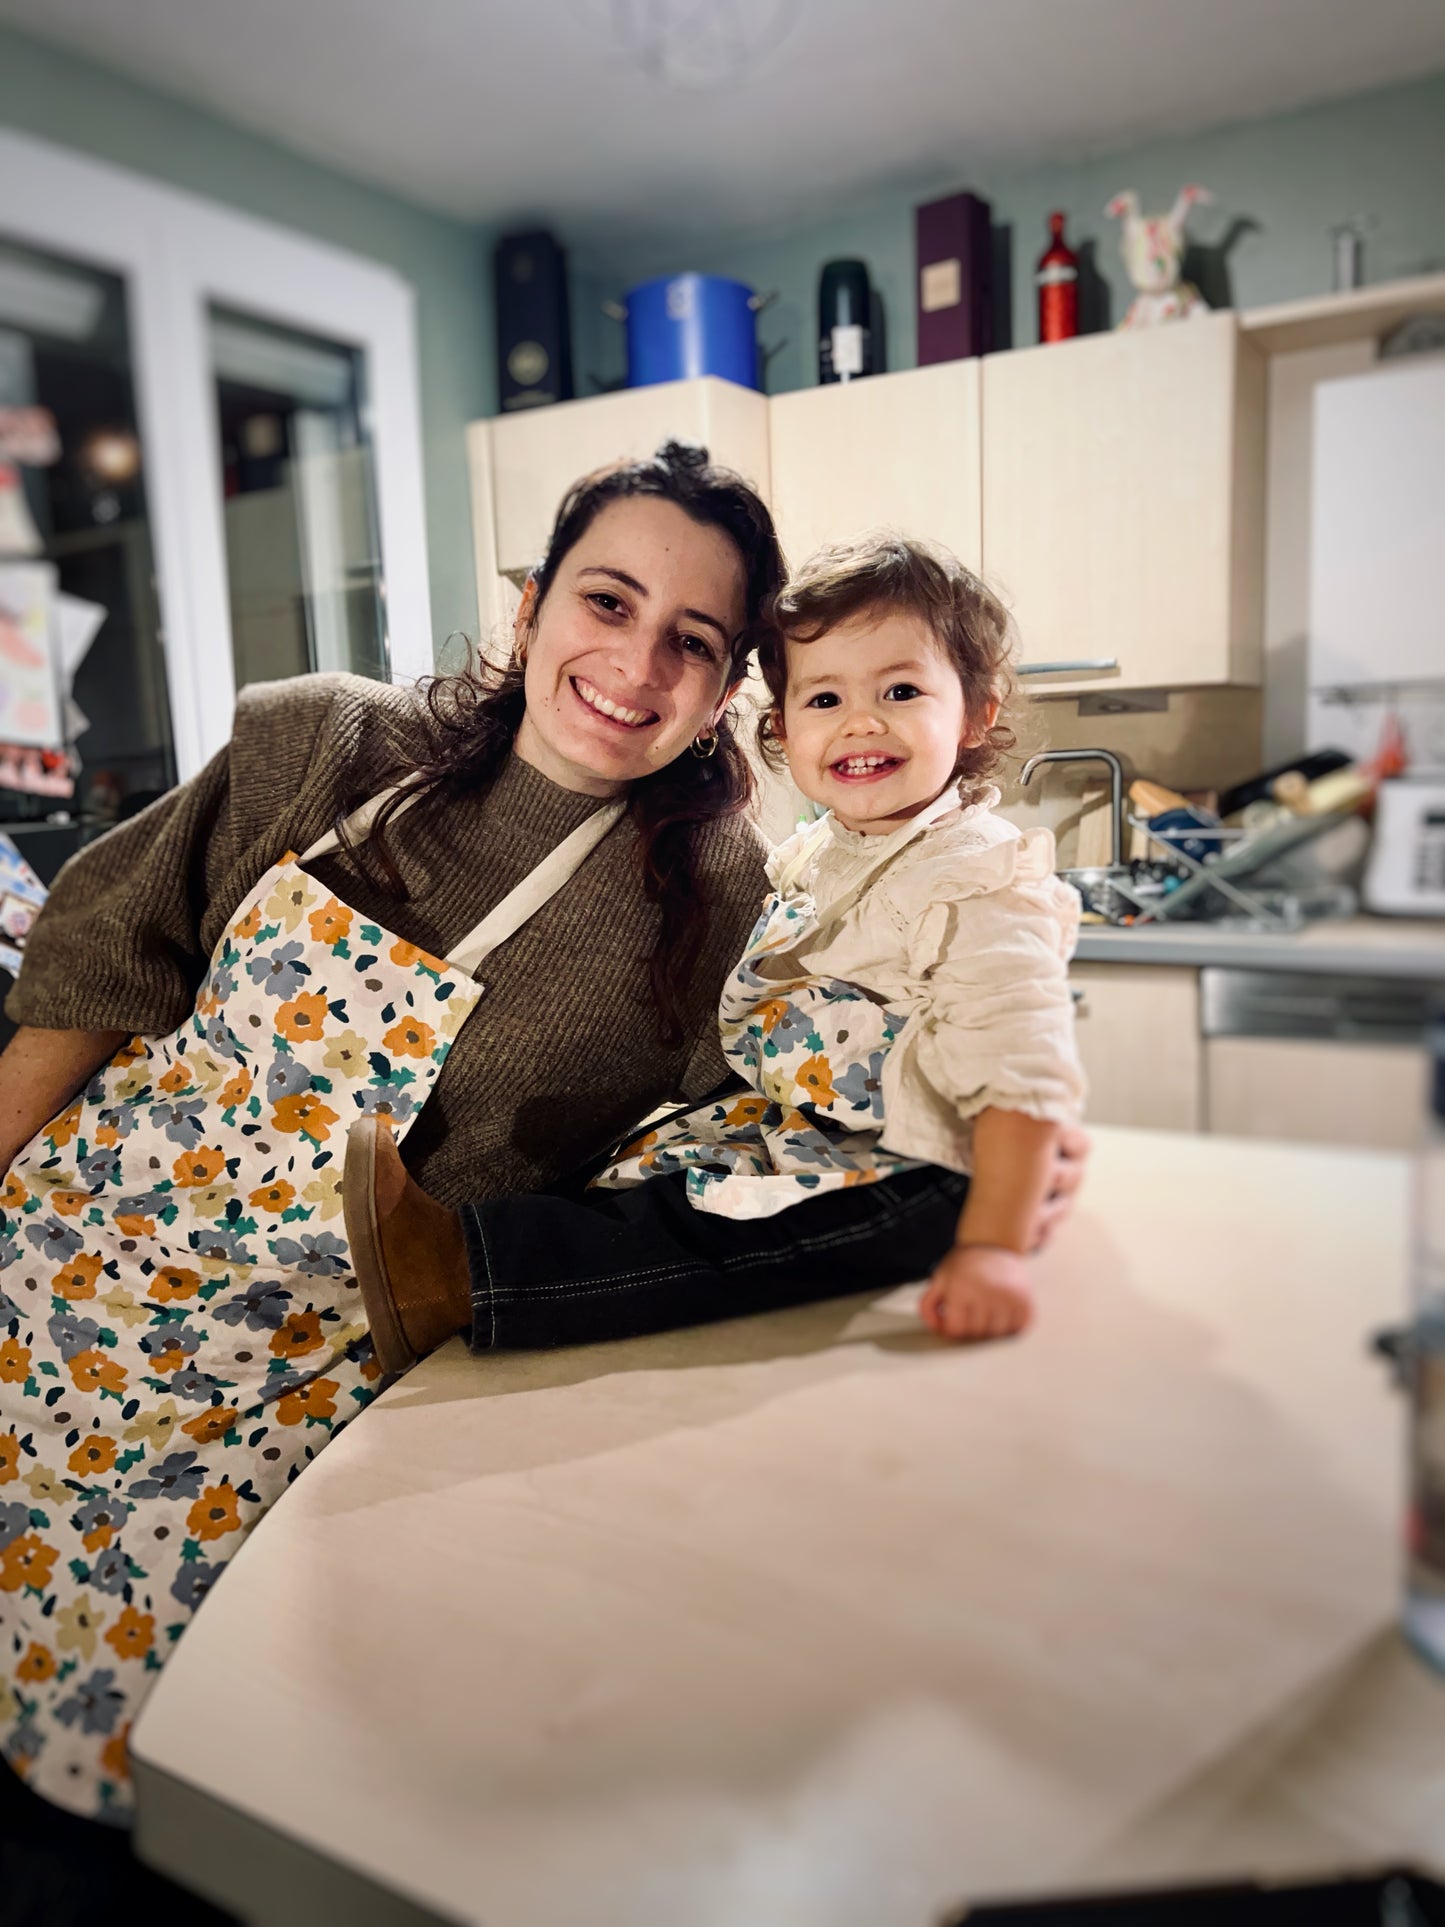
979 1291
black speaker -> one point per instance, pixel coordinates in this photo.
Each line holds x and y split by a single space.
534 333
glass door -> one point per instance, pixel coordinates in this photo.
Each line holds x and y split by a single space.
303 555
85 736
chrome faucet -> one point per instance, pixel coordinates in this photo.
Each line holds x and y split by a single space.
1116 788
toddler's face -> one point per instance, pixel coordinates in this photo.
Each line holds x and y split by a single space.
873 719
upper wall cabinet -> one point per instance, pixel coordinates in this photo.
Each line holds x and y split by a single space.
534 457
900 451
1123 503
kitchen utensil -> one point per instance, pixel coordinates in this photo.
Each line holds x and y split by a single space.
1319 763
686 325
1406 874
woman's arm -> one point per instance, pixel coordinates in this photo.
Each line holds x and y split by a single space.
40 1071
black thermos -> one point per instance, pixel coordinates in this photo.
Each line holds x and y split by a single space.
845 330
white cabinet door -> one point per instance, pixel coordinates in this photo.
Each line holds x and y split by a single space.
1368 1095
899 451
1138 1031
1123 479
537 455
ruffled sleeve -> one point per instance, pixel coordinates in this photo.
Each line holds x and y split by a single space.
991 1026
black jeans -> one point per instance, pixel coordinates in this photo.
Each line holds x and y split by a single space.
571 1269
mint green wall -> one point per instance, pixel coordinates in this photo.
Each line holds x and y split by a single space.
1297 175
60 97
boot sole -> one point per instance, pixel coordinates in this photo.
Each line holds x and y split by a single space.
363 1235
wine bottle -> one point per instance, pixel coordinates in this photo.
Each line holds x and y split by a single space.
1057 279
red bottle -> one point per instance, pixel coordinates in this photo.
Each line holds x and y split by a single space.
1057 279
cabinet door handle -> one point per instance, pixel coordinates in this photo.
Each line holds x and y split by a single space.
1085 666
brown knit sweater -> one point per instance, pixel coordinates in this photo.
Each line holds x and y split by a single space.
561 1056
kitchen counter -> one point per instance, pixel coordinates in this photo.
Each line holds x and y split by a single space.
809 1618
1350 947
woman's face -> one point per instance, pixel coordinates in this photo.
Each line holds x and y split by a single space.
627 658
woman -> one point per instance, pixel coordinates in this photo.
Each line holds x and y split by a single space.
180 1331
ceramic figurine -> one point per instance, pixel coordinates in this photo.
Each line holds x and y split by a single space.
1152 246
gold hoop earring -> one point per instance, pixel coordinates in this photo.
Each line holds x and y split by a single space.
705 745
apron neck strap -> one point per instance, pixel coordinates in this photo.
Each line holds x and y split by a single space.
358 824
536 890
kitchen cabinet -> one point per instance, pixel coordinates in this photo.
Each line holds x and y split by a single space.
901 451
523 464
1138 1032
1316 1092
1123 481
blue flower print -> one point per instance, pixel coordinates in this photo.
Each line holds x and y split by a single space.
260 1308
189 1383
862 1085
143 1204
387 1098
53 1240
96 1704
279 972
286 1078
8 1308
223 981
181 1122
176 1477
109 1571
221 1038
320 1254
100 1168
14 1520
120 1118
71 1335
106 1509
194 1581
168 1338
226 1247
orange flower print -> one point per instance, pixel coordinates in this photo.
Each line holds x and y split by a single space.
106 1135
68 1203
330 923
771 1011
12 1193
410 1038
172 1359
77 1279
115 1754
306 1114
27 1561
14 1362
133 1634
303 1016
637 1146
173 1281
248 926
63 1128
277 1197
407 954
236 1089
131 1052
9 1457
131 1224
38 1663
93 1456
815 1077
177 1078
300 1333
215 1513
212 1424
316 1400
747 1110
94 1372
201 1166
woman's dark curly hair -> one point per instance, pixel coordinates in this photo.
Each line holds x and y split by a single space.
884 571
476 713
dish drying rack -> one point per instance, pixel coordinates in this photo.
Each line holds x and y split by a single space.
1243 854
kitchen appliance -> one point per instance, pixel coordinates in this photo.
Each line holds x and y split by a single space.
954 240
845 322
1406 873
686 325
534 332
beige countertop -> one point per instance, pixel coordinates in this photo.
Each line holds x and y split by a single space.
808 1618
1353 946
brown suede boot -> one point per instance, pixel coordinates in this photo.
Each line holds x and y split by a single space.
406 1249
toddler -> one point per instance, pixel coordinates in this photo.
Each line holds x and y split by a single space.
904 998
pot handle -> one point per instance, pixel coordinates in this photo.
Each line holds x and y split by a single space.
614 310
757 302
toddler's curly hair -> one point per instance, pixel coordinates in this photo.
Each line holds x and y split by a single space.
884 571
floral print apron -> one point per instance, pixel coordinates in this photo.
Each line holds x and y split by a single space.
812 1049
180 1330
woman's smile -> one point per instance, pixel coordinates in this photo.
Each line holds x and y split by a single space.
613 711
